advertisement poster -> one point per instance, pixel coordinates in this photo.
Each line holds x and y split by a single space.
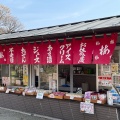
116 79
6 81
53 85
114 67
106 68
25 74
87 107
104 80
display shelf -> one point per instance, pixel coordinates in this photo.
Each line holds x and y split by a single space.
86 74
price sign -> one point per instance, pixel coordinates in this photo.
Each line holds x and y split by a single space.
87 100
87 107
39 95
71 97
99 101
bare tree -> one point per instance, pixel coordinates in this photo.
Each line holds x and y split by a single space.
8 23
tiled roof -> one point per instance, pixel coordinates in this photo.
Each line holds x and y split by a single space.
96 24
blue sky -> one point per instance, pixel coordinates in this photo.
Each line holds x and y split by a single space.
43 13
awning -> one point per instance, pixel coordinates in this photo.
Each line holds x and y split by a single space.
86 51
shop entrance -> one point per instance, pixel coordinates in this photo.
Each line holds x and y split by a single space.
35 76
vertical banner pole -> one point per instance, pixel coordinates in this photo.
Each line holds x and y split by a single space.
57 79
30 76
97 87
71 78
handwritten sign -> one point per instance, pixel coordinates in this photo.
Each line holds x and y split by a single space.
87 107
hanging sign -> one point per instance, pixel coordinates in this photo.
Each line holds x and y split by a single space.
82 51
23 51
11 54
35 53
104 48
49 53
3 55
87 107
64 52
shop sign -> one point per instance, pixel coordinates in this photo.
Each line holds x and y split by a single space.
104 48
3 55
87 107
49 53
23 52
35 55
86 51
64 52
11 54
82 51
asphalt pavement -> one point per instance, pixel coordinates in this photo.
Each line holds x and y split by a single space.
7 114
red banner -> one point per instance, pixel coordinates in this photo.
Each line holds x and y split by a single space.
104 48
64 52
35 53
86 51
11 54
23 51
49 53
3 55
83 51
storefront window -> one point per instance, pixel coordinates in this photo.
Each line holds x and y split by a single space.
16 74
48 75
19 75
107 71
5 75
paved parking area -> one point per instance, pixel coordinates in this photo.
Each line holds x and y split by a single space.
6 114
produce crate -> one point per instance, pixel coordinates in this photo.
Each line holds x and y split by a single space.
3 89
46 95
67 97
18 92
74 98
58 97
30 93
54 96
78 99
97 101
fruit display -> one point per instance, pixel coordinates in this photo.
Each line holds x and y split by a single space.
57 95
